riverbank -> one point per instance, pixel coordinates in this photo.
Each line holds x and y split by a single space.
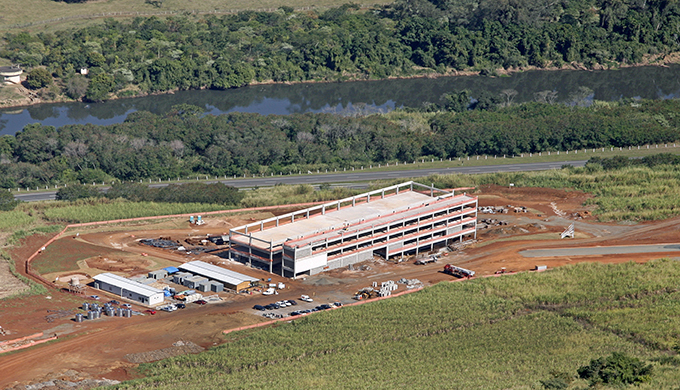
17 96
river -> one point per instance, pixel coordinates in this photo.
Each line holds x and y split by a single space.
649 82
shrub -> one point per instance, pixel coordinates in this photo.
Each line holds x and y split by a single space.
617 369
77 191
7 201
38 78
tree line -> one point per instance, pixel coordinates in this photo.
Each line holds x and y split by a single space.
403 38
185 144
215 193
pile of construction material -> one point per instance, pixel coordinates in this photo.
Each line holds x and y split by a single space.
386 288
411 283
163 242
502 209
485 223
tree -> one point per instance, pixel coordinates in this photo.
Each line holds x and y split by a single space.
456 101
38 78
99 88
7 201
77 191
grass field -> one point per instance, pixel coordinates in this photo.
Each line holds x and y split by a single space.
60 256
489 333
31 11
102 209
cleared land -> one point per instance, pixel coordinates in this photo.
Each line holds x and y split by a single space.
39 11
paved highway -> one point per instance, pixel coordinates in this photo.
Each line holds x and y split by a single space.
601 250
354 176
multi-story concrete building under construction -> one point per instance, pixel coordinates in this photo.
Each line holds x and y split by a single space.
400 220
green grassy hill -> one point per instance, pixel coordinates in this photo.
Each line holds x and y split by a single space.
491 333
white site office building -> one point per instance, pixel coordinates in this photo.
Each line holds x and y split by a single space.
129 289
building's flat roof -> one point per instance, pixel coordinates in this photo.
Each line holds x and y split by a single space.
425 207
336 219
216 273
324 226
127 284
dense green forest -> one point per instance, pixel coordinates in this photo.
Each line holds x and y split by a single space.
405 38
183 143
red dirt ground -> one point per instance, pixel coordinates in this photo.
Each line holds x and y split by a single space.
97 349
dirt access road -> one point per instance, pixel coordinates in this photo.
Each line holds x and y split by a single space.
103 348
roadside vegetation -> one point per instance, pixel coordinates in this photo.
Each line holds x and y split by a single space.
568 328
624 189
183 144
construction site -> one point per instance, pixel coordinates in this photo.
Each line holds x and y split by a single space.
370 246
397 221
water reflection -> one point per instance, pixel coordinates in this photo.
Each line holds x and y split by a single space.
652 82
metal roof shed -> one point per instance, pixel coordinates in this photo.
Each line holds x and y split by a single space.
129 289
231 279
171 270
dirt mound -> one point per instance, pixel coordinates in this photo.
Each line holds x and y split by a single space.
118 264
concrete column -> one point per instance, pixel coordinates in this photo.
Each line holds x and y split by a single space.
229 244
323 210
271 256
277 221
261 226
382 195
307 214
250 251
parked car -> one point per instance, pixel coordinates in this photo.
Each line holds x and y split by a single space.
295 313
114 302
259 307
127 305
306 298
200 302
292 302
95 297
337 304
152 312
180 306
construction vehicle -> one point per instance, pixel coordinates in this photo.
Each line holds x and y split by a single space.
366 293
458 271
427 259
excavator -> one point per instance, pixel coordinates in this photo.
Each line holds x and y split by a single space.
366 293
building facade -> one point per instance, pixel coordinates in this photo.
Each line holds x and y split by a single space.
400 220
129 289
